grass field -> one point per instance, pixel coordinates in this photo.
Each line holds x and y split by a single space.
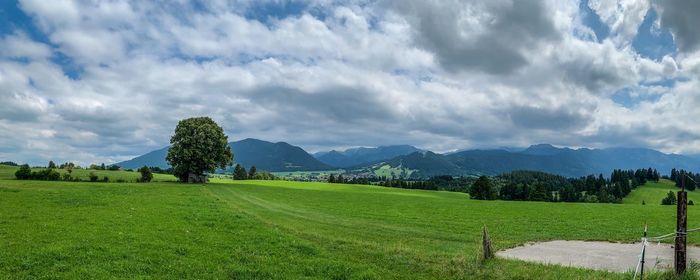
393 172
291 230
8 172
654 192
306 174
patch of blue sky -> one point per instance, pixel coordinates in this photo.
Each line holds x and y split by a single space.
653 42
668 82
14 20
591 19
266 11
629 97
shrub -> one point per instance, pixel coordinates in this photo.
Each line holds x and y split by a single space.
644 202
46 175
690 202
146 174
105 179
481 189
66 177
93 177
670 199
24 172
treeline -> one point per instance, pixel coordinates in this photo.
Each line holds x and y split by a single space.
536 185
50 174
682 177
541 186
239 173
398 183
354 180
442 183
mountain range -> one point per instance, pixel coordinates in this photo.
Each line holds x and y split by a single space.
543 157
362 155
409 161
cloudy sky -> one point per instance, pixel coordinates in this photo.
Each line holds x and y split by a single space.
103 81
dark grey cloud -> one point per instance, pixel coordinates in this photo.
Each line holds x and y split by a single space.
681 17
596 75
343 105
560 119
20 107
490 36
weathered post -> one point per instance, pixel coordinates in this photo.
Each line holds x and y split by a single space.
681 224
644 249
488 251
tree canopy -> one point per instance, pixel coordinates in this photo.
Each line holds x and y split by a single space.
199 145
239 173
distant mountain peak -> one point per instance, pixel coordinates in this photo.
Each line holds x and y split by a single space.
542 149
363 155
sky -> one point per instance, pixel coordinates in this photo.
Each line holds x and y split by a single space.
104 81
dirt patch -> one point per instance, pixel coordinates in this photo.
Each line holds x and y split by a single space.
617 257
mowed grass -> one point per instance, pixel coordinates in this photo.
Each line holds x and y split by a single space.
654 192
291 230
8 172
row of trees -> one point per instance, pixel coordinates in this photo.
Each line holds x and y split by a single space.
682 177
537 186
354 180
239 173
50 174
540 186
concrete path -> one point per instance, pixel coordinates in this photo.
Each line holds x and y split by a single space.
609 256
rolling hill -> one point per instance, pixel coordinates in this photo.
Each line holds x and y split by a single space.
248 152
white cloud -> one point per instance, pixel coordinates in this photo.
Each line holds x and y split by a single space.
363 74
18 45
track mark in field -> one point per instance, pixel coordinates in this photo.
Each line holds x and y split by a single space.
329 223
335 221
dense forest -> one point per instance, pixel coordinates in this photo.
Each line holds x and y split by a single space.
533 185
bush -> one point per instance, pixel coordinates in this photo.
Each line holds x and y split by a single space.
146 174
93 177
105 179
670 199
481 189
46 175
66 177
24 172
690 202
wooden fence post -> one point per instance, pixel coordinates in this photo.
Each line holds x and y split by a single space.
644 249
681 223
488 251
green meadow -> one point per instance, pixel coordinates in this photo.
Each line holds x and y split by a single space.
8 172
294 230
654 192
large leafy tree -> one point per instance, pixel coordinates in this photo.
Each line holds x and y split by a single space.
198 146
